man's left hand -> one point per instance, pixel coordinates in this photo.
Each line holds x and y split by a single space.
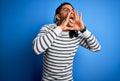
79 25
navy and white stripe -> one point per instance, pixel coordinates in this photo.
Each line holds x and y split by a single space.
59 50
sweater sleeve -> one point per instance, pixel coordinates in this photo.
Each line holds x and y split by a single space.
89 41
45 38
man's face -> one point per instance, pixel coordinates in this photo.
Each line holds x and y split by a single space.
64 12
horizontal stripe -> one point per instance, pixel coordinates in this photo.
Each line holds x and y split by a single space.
62 53
60 59
62 71
57 61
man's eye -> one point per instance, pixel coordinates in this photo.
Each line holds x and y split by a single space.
66 10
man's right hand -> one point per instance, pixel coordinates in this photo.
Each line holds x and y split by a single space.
64 23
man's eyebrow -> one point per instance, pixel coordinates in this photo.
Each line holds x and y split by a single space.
68 8
65 8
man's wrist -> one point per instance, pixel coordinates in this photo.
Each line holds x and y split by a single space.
82 31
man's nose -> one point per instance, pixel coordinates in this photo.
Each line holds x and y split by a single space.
72 11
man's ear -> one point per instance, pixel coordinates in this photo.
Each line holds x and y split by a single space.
57 17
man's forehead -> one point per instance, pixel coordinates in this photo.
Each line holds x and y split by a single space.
67 6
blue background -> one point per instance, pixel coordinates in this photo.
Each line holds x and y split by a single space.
21 20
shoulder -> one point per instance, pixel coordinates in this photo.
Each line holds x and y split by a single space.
50 26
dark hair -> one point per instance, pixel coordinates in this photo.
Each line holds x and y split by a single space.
59 9
72 33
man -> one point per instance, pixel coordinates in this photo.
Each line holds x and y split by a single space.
60 41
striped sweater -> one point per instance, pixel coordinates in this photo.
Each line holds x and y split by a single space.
59 50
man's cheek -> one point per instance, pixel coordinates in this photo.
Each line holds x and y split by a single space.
63 17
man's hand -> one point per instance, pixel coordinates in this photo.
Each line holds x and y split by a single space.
79 25
64 23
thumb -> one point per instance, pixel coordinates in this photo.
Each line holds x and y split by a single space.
70 28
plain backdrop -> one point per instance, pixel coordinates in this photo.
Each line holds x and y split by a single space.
21 20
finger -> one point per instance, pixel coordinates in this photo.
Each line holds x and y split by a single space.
68 16
76 14
80 16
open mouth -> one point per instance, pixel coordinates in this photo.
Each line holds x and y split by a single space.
71 19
